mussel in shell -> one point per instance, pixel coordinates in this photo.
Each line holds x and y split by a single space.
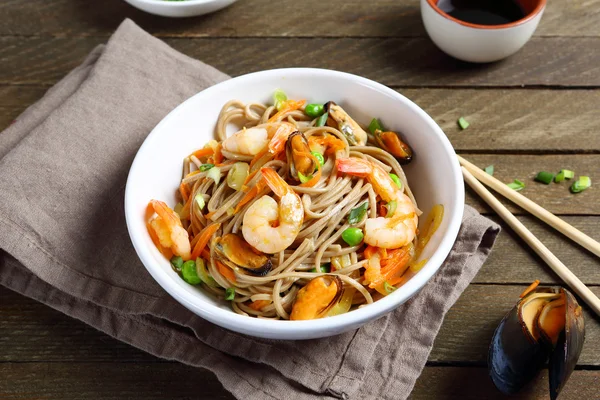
233 249
392 143
355 135
546 324
302 163
317 297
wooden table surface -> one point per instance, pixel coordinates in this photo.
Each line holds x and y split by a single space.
538 110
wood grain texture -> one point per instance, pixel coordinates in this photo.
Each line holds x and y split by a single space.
556 198
552 61
108 381
451 383
340 18
469 325
502 120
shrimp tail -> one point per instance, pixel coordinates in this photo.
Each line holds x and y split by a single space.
354 166
280 137
275 182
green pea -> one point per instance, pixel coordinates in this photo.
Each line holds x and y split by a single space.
396 180
177 263
319 157
314 110
189 274
353 236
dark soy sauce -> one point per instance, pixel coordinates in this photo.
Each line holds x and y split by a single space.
483 12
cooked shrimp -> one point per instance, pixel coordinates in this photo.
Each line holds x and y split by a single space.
252 141
388 233
271 227
167 226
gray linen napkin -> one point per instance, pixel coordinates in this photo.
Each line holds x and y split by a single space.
63 167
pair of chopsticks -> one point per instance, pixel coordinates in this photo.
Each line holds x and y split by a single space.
473 175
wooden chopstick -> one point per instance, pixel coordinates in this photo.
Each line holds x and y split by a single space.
553 262
566 229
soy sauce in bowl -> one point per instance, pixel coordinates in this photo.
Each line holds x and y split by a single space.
483 12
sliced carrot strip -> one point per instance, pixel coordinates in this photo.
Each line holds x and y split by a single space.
205 236
258 304
226 271
218 157
185 191
288 106
530 288
252 193
369 251
207 151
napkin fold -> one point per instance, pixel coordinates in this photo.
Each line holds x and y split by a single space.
63 168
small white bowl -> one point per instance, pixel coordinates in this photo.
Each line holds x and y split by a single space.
179 9
434 176
480 43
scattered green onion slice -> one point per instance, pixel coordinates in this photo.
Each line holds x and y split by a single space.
279 97
205 167
544 177
396 180
214 174
203 273
489 170
230 293
237 175
353 236
319 157
199 199
189 274
314 110
391 208
177 263
516 185
463 123
324 268
303 178
388 288
357 214
322 119
581 184
564 174
375 125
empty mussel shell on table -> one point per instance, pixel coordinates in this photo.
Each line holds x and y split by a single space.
233 249
546 324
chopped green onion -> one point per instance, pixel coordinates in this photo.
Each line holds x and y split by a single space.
203 273
544 177
324 268
279 97
357 214
322 120
581 184
205 167
375 125
199 199
189 274
391 208
314 110
396 180
319 157
303 178
230 293
214 174
177 263
353 236
516 185
388 288
489 170
463 123
237 175
564 174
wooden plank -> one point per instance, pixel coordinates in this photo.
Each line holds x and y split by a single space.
108 381
339 18
453 383
501 119
467 330
552 61
556 198
512 261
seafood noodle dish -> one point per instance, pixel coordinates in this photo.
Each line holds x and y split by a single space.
302 213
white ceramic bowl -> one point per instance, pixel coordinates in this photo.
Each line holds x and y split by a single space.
178 9
480 43
434 175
